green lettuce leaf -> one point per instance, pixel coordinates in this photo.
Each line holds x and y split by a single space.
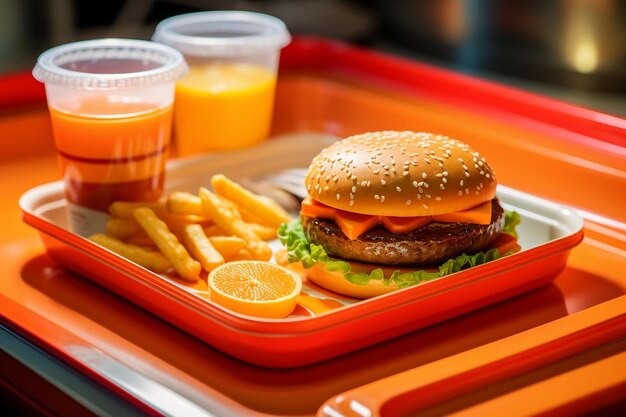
300 249
511 220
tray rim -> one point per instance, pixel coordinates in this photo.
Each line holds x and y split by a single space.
337 317
583 125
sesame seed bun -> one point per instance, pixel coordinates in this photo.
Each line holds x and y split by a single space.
335 281
402 174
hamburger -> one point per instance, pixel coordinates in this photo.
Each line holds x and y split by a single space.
390 209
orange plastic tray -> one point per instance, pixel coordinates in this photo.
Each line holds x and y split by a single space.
332 90
547 233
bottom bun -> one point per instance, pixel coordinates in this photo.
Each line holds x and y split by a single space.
335 281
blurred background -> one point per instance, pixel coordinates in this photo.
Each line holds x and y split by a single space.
574 50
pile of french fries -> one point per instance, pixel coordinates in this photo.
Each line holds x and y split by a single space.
189 233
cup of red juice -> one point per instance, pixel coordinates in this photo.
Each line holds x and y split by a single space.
110 103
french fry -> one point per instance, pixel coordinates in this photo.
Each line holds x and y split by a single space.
124 209
166 241
141 239
184 203
152 260
121 228
264 232
201 248
224 218
231 206
242 255
270 214
248 215
228 246
213 230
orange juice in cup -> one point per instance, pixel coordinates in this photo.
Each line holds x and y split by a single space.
110 105
211 101
226 100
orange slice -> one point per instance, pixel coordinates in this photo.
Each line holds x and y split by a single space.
255 288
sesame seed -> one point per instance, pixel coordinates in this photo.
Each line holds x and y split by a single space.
354 189
351 203
461 183
415 184
425 206
383 182
326 188
382 198
445 173
428 195
424 175
438 198
426 185
439 175
351 196
375 171
443 187
460 193
363 183
376 196
467 174
419 196
338 196
445 180
408 202
487 175
405 173
398 189
467 191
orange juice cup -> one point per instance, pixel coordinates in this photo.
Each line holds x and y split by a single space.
110 103
226 100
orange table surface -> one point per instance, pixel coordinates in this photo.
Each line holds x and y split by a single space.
58 309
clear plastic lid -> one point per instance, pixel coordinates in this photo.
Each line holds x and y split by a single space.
107 64
222 33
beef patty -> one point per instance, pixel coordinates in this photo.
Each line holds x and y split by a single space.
429 245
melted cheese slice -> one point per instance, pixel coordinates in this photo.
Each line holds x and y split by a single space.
354 225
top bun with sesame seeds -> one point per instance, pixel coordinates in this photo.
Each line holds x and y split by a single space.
403 174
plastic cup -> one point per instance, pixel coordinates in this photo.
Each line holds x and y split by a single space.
110 103
227 98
